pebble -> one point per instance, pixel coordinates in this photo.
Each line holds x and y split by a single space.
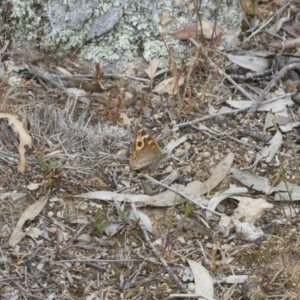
191 287
85 238
169 169
206 154
84 206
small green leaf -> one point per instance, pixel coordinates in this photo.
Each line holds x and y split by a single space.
101 226
41 162
54 165
122 214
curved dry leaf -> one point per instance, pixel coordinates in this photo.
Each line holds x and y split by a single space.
232 279
217 199
75 92
287 196
13 195
240 104
220 171
287 191
252 181
29 214
270 150
254 63
144 219
194 30
203 281
169 86
277 25
24 137
284 120
110 196
63 71
153 65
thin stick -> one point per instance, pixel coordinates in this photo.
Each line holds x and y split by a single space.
184 296
89 76
179 193
222 73
208 117
271 84
157 254
101 260
266 23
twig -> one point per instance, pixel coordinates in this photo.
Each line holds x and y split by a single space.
206 260
52 77
101 260
132 278
271 84
280 97
279 11
183 296
179 193
157 254
89 76
9 278
233 111
221 72
251 76
265 139
127 76
208 117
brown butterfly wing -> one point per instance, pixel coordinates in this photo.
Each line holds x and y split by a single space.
145 151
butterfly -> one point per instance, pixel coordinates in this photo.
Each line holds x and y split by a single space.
145 151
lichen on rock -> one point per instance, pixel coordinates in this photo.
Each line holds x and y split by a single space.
111 32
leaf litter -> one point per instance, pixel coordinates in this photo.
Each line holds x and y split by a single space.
223 205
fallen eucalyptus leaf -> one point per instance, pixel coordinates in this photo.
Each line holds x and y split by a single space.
29 214
203 281
169 86
268 152
24 137
252 181
254 63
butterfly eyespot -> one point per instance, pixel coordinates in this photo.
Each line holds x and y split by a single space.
134 157
139 145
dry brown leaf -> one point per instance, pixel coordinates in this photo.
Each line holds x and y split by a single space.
277 25
194 30
29 214
24 137
168 86
291 30
250 62
153 65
